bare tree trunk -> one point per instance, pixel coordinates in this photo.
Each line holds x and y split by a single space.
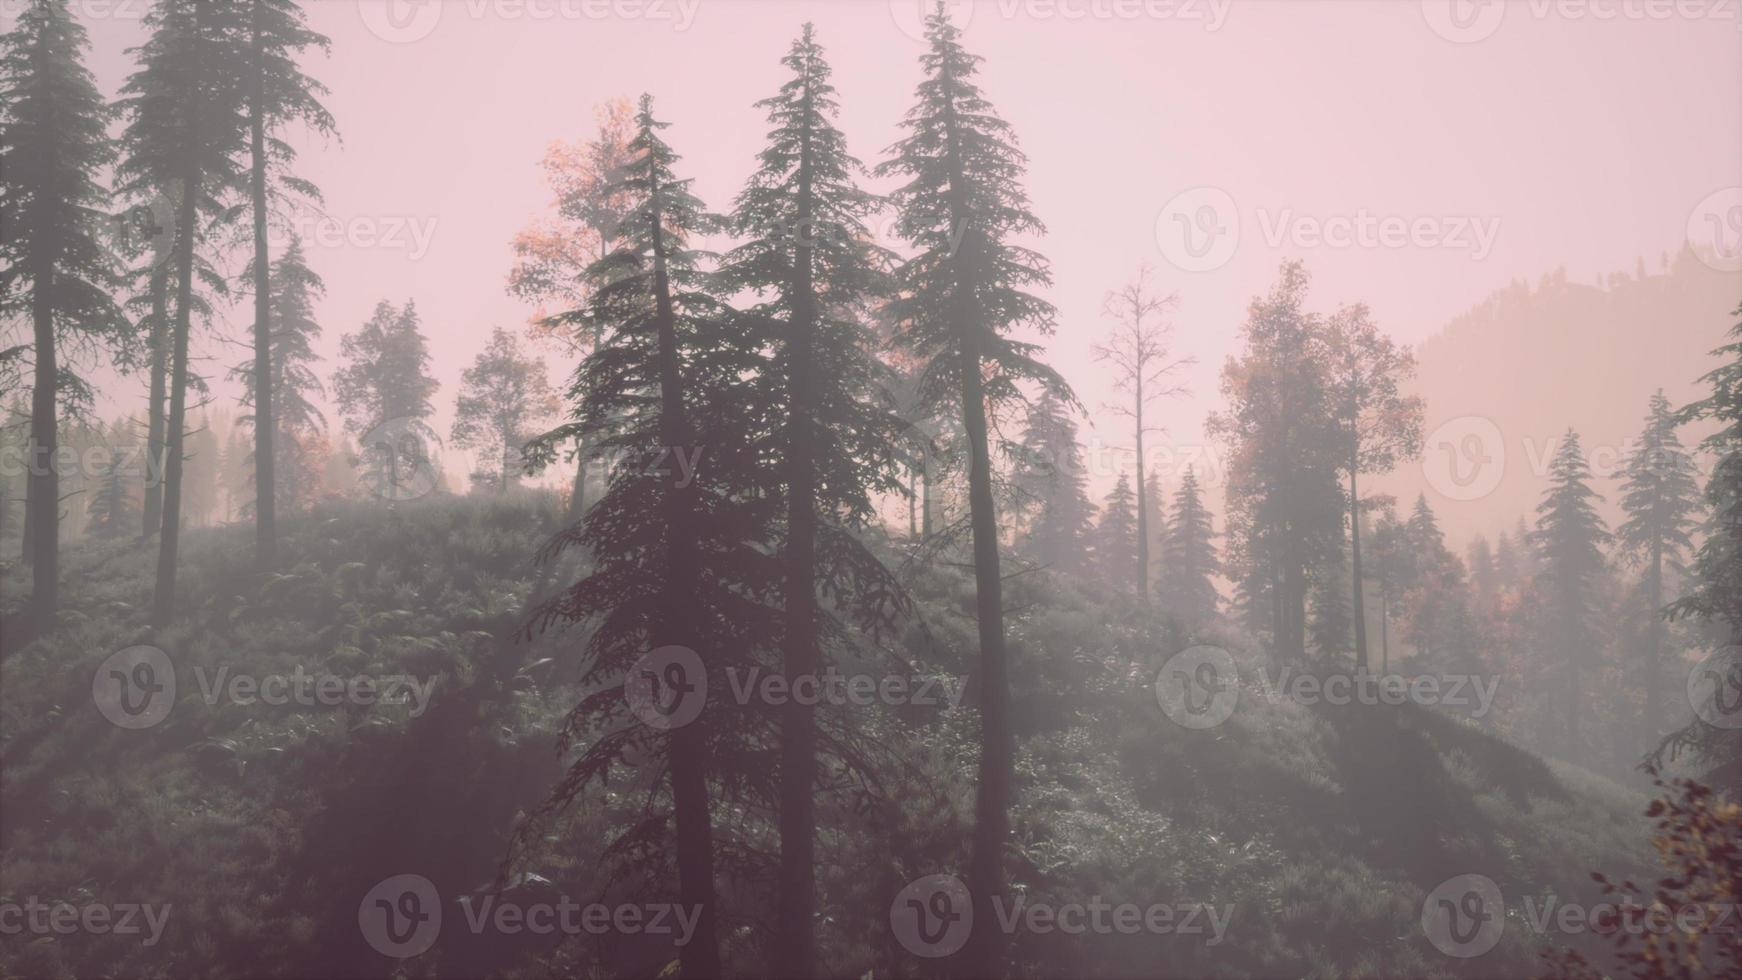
1359 598
265 460
154 441
163 601
688 746
42 493
795 942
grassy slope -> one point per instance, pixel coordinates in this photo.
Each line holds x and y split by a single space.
263 827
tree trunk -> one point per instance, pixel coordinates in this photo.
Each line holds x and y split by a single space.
1142 501
1654 655
578 497
42 493
794 942
163 601
265 460
1359 594
687 750
1384 634
997 743
154 444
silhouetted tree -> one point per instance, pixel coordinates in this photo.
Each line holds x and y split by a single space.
1284 502
56 268
502 396
1188 580
960 296
1050 477
1116 551
1661 499
385 379
1380 426
815 274
1568 541
1142 360
294 385
111 515
277 93
184 129
672 564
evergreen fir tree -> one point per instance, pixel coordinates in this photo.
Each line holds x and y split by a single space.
277 93
1188 582
1116 537
184 129
112 513
56 268
815 274
1661 499
1052 483
960 205
295 386
1568 542
675 563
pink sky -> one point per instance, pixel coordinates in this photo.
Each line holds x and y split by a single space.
1503 141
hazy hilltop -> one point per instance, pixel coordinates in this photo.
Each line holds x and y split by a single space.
1534 360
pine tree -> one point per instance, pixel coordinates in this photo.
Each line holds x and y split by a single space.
1715 597
1051 479
111 515
673 561
1507 574
294 385
1189 578
1661 499
503 395
1154 526
184 128
1328 615
816 276
1116 537
1484 580
385 382
1568 542
278 93
56 268
960 297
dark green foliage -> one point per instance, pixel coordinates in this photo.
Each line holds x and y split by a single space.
1116 537
294 290
1188 585
1051 480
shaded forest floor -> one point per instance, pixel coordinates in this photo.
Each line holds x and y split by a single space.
263 826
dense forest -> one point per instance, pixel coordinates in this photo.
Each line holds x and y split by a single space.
802 589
